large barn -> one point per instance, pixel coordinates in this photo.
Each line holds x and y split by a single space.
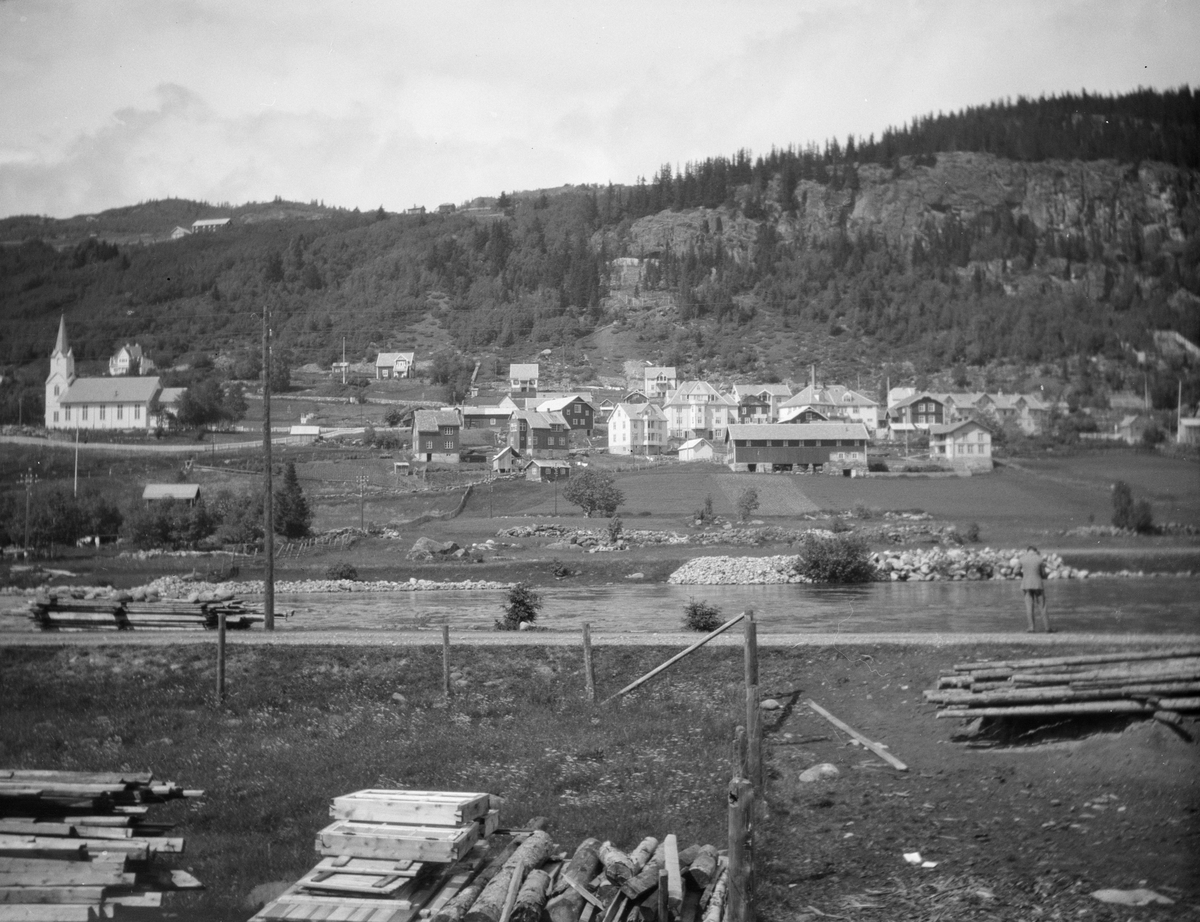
818 448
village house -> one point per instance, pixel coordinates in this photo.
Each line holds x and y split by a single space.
180 232
754 409
493 418
130 360
802 415
658 381
435 437
116 404
836 402
637 429
188 493
920 411
539 435
394 365
576 410
506 460
696 450
523 378
966 444
776 395
820 448
697 409
547 470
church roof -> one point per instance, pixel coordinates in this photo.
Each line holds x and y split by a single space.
110 390
60 345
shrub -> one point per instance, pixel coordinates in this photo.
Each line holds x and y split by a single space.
593 491
747 502
838 525
705 515
971 533
700 616
862 511
341 570
169 524
523 605
879 467
835 559
1129 513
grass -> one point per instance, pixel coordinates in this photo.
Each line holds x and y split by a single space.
303 725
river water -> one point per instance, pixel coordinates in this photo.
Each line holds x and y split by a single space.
1166 605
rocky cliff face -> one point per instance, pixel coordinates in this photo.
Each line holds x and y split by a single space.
1082 222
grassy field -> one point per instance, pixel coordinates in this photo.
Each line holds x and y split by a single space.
1011 830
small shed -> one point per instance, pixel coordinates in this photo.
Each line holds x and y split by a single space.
182 492
546 470
507 459
696 450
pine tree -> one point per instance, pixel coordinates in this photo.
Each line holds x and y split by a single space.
293 518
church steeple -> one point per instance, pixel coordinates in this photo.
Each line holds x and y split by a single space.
61 347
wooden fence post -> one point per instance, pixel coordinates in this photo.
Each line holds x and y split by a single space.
753 714
589 670
221 658
446 660
740 890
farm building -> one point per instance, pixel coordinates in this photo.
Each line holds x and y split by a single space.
506 460
180 492
819 448
542 470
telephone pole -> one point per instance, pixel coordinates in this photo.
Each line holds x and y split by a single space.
268 497
29 479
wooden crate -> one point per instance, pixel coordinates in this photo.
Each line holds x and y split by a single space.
414 808
440 844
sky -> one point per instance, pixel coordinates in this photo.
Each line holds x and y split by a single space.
363 103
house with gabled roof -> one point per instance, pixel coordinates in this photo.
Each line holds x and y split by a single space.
539 435
637 429
658 381
390 365
920 411
576 409
523 378
775 395
696 450
965 444
838 448
435 436
805 414
130 359
836 402
209 225
696 408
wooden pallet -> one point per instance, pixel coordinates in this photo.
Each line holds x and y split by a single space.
415 808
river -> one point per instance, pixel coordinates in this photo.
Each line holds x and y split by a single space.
1164 605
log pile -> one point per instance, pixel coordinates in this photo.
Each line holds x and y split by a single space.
64 613
396 856
74 845
1155 683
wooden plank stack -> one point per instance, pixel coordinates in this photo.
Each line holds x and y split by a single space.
396 856
74 845
389 854
63 613
1156 683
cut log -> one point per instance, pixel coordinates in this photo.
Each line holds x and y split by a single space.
617 865
703 867
644 852
646 879
1076 708
674 874
531 899
531 853
1080 660
1055 693
568 903
713 901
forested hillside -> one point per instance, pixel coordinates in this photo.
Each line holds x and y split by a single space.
1036 232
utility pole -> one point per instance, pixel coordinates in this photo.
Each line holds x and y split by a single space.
362 483
29 479
75 492
268 497
343 360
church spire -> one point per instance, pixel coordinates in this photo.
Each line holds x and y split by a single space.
61 347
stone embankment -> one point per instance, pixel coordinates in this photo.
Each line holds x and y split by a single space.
910 565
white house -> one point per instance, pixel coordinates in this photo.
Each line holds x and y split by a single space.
120 403
967 443
394 365
658 381
523 378
697 407
836 402
637 429
130 360
696 450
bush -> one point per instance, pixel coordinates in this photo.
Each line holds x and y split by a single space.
169 524
838 525
747 502
971 533
879 467
836 559
341 570
1129 513
700 616
705 516
523 605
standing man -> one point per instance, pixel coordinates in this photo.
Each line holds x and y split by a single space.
1032 585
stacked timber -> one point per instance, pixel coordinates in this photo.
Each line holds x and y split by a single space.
1155 683
64 613
390 854
73 845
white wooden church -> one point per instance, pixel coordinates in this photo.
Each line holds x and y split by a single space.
114 403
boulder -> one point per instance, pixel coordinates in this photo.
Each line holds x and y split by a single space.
823 771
